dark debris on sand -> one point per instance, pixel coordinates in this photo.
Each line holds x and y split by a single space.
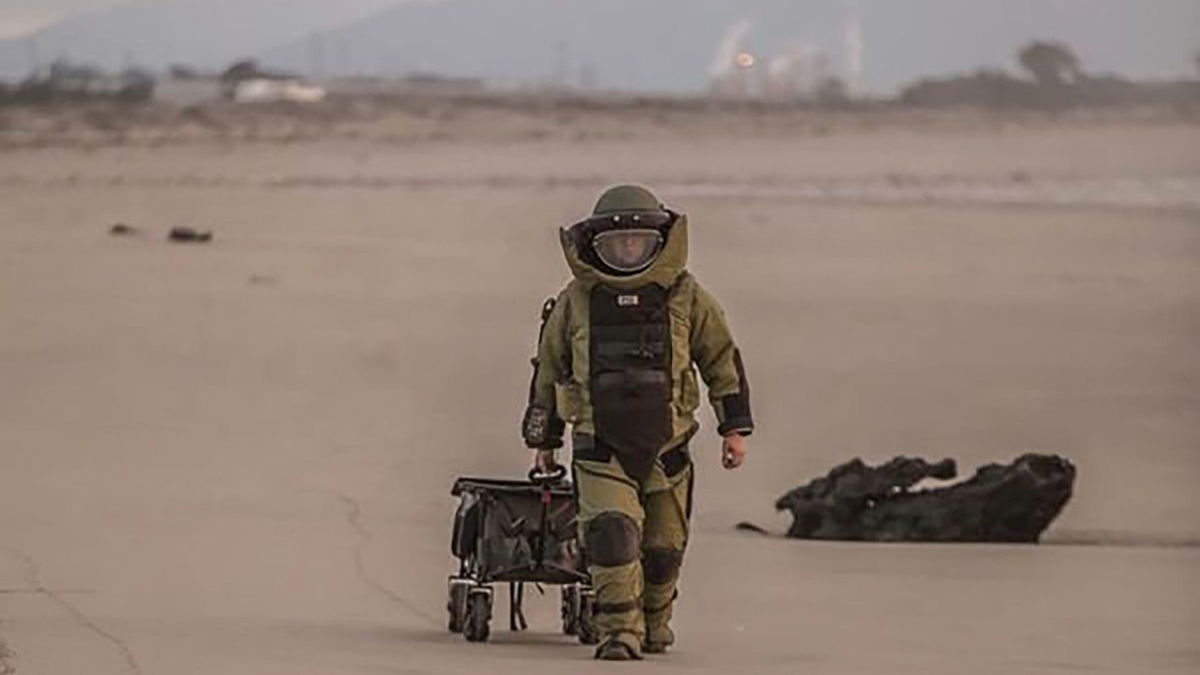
187 235
1001 503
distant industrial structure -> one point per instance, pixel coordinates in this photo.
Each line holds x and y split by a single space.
804 72
854 54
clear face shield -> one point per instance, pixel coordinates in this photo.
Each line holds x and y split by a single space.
628 251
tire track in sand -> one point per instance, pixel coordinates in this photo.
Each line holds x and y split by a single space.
34 581
365 537
6 656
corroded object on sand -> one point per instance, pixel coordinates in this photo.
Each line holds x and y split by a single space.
1001 503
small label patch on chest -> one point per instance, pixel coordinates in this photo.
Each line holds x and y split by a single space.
627 300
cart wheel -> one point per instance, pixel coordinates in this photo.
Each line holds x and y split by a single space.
586 621
456 606
570 610
479 613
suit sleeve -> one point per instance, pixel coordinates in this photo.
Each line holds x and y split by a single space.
541 427
720 364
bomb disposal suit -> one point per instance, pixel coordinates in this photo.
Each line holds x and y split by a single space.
617 360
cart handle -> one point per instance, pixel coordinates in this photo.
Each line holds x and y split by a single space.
554 475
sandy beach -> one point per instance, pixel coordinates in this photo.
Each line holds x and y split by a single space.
236 457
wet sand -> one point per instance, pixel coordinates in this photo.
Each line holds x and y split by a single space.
236 457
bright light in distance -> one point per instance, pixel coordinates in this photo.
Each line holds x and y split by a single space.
744 60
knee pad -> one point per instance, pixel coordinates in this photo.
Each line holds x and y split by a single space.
612 539
661 565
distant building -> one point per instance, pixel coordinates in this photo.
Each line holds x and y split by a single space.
415 84
263 90
246 82
188 91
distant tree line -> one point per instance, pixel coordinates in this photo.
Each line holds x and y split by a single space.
63 81
1056 79
68 82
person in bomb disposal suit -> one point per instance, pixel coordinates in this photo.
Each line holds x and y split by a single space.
617 360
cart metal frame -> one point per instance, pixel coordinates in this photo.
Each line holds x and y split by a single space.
470 591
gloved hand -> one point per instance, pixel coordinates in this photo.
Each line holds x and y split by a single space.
733 451
544 461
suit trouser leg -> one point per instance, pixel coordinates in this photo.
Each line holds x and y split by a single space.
664 539
610 527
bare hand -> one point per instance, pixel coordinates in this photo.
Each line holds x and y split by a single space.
733 451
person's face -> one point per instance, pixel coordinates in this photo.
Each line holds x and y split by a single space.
633 247
627 250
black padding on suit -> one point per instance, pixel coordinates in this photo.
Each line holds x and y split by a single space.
630 362
612 539
660 565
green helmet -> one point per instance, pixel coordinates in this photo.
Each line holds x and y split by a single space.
627 230
624 198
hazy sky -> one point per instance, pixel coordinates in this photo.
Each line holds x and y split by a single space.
22 16
904 39
18 17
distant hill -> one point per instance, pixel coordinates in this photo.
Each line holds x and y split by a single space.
155 33
669 44
663 45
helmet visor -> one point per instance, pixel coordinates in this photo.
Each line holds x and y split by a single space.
627 250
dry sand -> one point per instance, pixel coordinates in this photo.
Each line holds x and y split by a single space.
235 458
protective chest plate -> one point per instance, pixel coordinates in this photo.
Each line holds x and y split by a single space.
630 356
